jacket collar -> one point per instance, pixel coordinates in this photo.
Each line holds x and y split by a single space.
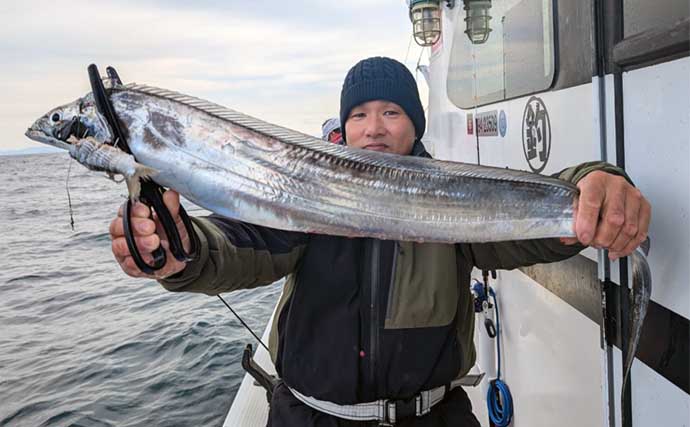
419 150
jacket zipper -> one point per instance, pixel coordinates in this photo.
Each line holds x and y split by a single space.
374 332
391 287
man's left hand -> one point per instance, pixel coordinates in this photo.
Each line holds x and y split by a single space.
611 214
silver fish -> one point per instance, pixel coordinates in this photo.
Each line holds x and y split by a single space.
253 171
244 168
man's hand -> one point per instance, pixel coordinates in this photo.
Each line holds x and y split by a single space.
148 235
611 214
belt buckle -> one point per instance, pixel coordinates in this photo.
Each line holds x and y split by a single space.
387 420
399 409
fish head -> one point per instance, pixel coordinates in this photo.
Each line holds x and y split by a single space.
70 122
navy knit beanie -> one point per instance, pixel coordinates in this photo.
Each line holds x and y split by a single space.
386 79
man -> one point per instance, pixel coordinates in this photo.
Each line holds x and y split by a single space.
362 320
330 131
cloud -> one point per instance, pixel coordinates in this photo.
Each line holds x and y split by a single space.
281 61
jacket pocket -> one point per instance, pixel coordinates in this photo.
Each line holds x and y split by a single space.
424 288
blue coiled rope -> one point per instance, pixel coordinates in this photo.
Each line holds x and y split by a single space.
498 399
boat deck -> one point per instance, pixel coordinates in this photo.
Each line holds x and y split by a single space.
250 408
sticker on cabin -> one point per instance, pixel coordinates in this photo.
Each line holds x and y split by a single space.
470 124
487 123
502 123
536 134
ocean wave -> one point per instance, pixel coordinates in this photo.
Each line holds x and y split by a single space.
83 344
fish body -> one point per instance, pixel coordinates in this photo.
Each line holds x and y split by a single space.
253 171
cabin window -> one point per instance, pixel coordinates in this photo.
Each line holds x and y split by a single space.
643 15
517 59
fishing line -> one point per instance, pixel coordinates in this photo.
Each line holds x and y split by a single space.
409 45
69 199
419 60
242 322
69 172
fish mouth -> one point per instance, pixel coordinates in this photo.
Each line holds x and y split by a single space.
41 137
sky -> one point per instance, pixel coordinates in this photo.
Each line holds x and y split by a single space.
281 61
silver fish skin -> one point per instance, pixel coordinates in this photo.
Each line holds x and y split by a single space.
252 171
639 302
249 170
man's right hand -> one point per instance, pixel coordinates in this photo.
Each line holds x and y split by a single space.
148 234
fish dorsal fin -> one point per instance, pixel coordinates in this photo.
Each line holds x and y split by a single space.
390 163
217 110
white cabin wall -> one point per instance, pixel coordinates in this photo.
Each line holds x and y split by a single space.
446 134
656 401
657 155
570 112
551 352
551 356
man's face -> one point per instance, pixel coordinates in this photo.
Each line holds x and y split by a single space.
380 126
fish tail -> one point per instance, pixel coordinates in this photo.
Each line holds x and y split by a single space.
639 302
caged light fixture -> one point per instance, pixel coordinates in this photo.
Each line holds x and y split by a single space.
426 21
477 20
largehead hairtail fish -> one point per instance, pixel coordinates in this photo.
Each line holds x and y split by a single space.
253 171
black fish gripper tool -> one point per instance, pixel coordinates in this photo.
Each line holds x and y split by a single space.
151 192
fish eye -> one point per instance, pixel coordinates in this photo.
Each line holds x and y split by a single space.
55 117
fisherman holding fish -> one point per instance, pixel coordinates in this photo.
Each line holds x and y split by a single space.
370 331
